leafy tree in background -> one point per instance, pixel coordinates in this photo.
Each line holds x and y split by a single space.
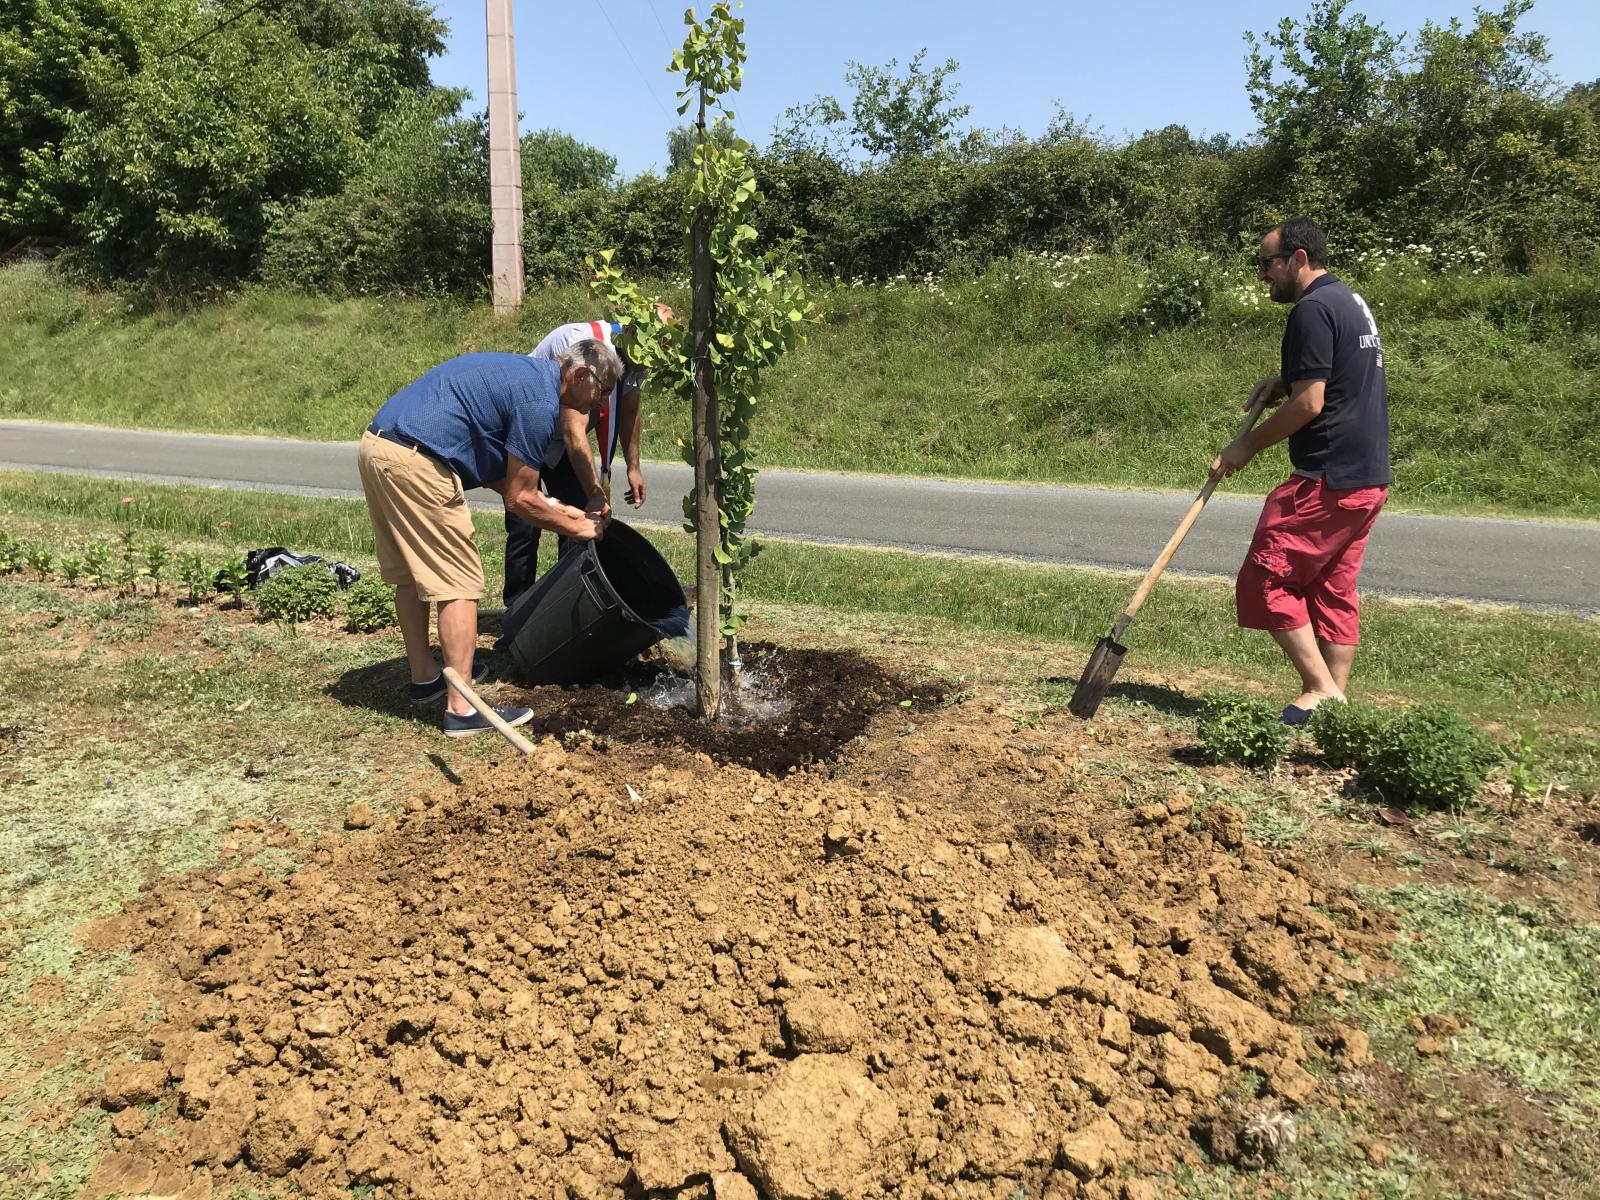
892 116
169 131
563 164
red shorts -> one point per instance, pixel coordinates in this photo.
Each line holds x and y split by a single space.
1304 559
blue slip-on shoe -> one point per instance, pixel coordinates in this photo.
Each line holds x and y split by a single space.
476 722
1293 714
421 693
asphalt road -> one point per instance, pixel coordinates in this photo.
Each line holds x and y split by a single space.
1531 563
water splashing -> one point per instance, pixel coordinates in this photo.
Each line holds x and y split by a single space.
754 695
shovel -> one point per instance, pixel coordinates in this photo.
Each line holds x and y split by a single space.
1109 651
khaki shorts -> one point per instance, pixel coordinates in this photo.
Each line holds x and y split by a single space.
420 521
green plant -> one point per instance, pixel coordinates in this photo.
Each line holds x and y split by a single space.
41 558
97 563
129 568
296 593
235 579
1347 732
11 554
71 567
1178 289
1238 728
156 558
194 575
1525 783
1430 756
369 605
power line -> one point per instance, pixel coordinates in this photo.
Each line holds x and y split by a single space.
634 61
222 24
665 36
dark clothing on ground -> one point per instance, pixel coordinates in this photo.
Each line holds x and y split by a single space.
1332 336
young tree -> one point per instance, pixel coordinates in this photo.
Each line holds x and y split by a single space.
747 310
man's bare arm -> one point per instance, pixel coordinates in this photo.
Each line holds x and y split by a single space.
523 499
1304 403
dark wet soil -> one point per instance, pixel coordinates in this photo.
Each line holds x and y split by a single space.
830 695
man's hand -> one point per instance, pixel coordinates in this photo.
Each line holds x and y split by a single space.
588 528
1268 391
1235 456
598 508
635 493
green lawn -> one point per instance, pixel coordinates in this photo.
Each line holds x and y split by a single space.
1498 664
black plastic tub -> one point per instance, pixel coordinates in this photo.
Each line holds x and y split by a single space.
601 604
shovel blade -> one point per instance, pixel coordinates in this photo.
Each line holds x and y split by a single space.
1097 677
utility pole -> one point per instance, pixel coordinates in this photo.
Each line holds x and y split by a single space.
505 160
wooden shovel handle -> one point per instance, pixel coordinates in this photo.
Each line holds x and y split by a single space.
486 711
1176 540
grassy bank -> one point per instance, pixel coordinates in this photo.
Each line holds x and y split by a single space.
1035 370
1505 665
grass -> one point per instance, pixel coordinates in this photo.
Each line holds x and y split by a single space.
1491 404
1496 664
1526 988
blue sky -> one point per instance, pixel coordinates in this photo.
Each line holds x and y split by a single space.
601 74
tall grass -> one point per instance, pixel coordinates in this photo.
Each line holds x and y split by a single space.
1037 369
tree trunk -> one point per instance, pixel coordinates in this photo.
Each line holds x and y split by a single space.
707 467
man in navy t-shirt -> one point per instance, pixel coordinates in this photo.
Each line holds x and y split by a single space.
1298 581
480 420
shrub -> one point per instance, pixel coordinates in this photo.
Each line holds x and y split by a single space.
156 558
1432 757
370 606
71 567
11 553
296 593
129 569
41 558
1178 289
1348 732
194 575
97 563
1241 729
235 579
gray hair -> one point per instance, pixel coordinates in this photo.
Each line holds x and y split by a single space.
602 361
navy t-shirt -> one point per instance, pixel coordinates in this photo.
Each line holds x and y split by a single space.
472 411
1331 336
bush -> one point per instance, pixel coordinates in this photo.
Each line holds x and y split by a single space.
97 563
234 578
1241 729
297 593
1431 756
12 554
1178 289
1348 733
41 558
194 575
370 606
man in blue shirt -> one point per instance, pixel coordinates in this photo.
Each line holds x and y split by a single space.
1298 581
480 420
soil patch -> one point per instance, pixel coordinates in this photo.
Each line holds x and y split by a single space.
596 974
809 704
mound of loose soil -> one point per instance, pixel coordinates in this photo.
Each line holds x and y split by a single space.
829 696
588 974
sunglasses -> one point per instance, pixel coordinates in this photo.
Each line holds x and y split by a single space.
1263 261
